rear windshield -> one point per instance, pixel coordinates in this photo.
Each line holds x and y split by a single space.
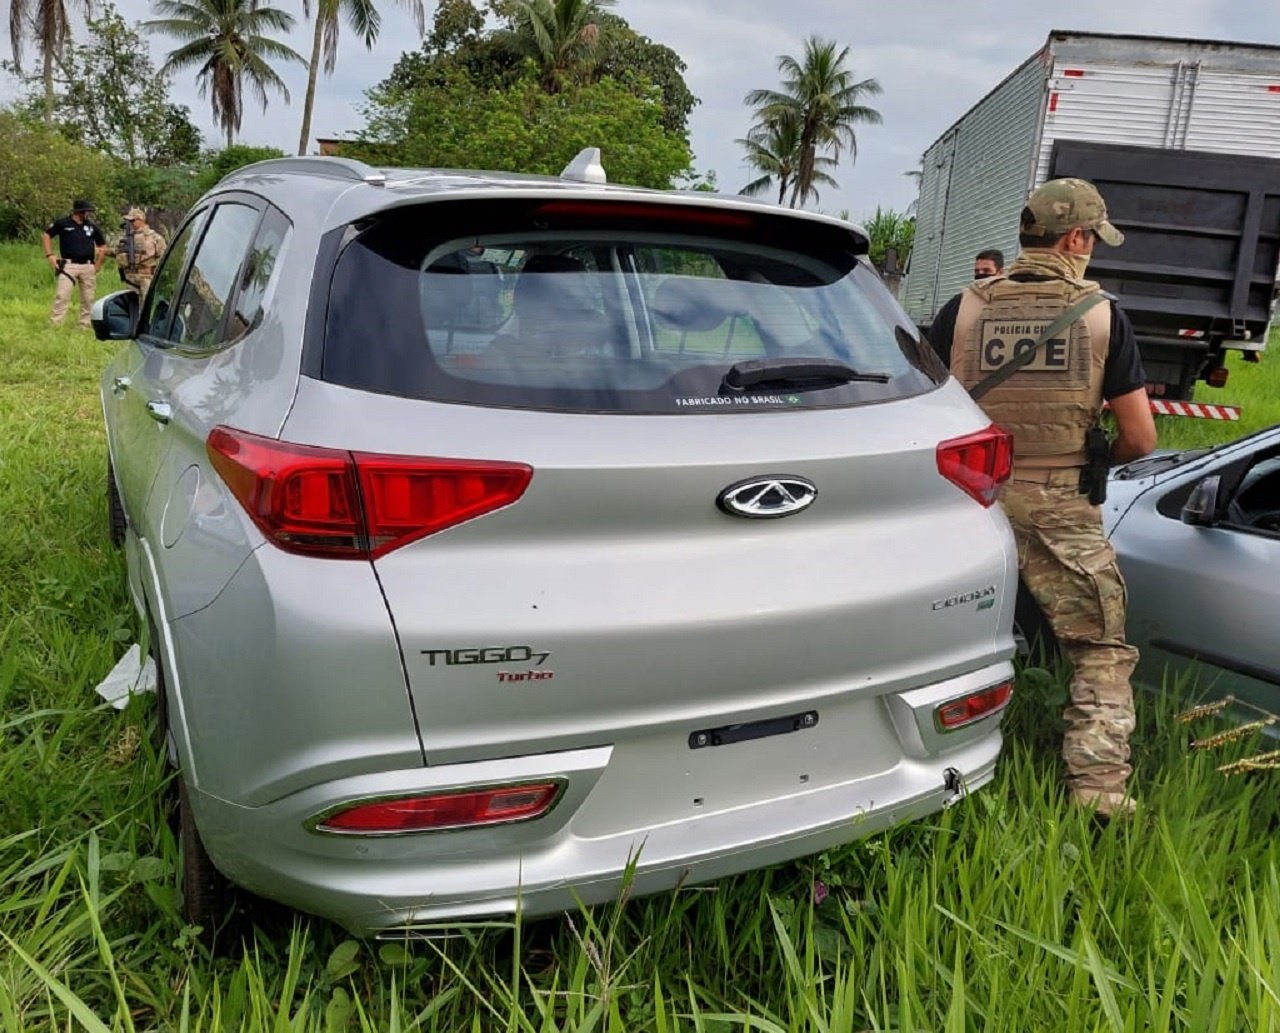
583 306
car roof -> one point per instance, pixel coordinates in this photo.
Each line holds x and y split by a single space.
369 189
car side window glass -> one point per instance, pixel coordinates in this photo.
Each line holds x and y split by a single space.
258 273
1256 504
198 318
165 285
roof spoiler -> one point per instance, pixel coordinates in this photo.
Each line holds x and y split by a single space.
585 167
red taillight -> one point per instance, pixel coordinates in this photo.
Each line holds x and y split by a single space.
445 810
978 463
330 502
957 713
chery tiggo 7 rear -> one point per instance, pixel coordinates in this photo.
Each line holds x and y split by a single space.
501 533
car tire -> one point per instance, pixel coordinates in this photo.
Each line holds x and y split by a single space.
208 898
117 523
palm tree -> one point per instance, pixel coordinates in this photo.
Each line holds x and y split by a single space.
559 35
825 101
227 40
363 17
773 148
49 25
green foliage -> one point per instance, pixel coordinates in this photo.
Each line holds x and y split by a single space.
524 129
568 43
219 163
109 97
889 229
173 188
41 172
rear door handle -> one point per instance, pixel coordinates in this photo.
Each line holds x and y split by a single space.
161 412
121 384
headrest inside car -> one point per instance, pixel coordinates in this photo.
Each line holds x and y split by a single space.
683 304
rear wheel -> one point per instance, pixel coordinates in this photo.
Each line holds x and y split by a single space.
116 522
208 899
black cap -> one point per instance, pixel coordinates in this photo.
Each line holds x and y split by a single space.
81 205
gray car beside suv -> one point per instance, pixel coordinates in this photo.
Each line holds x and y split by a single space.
503 537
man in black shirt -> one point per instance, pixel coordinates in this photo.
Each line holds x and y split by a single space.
82 247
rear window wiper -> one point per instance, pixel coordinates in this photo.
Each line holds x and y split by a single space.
795 374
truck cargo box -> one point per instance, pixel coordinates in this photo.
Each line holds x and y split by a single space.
1203 233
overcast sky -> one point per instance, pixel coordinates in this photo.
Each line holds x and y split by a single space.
933 58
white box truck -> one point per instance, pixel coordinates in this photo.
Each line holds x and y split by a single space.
1181 136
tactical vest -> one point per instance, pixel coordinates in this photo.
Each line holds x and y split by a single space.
1048 404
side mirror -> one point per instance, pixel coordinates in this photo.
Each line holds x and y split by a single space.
115 317
1201 508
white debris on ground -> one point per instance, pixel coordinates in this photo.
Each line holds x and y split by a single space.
129 677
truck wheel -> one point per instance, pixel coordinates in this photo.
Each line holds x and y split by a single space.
116 520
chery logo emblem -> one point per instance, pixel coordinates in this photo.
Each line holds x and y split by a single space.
764 498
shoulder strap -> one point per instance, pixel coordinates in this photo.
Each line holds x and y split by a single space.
1057 326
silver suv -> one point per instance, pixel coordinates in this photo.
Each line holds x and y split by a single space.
498 533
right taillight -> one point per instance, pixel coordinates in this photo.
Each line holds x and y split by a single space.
957 713
355 505
978 463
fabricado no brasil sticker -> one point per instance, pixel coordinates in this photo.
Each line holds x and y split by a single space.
700 401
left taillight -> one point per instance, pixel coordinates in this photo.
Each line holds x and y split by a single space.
355 505
979 464
493 805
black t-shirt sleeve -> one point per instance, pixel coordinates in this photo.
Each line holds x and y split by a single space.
1123 371
943 329
54 229
98 238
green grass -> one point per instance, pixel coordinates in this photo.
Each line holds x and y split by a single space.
1008 912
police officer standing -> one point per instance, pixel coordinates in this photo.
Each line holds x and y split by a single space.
138 251
81 246
1051 405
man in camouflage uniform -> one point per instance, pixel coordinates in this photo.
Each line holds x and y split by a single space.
138 251
1049 405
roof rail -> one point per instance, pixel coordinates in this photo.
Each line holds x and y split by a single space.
319 165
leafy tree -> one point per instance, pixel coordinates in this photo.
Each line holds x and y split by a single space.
889 229
459 43
229 159
41 171
820 94
226 41
524 128
773 149
625 53
363 17
561 37
109 97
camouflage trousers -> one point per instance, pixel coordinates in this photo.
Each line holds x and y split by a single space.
1069 567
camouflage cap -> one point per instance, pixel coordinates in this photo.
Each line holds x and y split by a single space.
1067 204
135 213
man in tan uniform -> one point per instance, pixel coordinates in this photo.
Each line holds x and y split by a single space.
138 251
1050 405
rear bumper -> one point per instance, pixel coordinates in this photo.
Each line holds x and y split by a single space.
403 884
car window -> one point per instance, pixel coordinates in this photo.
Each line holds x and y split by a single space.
198 318
1256 503
258 273
626 314
165 285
